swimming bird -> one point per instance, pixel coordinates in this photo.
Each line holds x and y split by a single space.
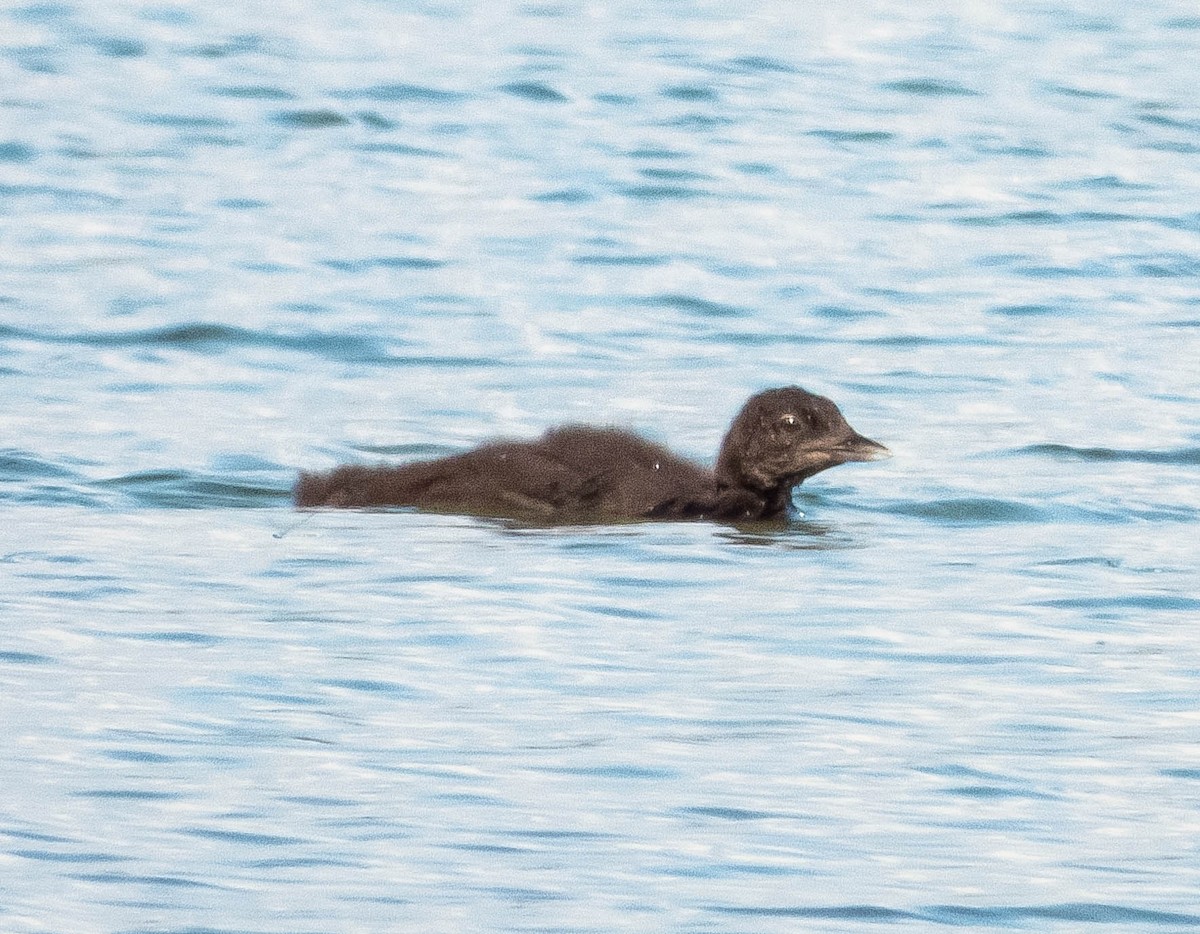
576 473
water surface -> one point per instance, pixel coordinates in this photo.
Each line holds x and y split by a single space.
958 690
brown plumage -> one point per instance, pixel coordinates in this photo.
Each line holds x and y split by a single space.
575 473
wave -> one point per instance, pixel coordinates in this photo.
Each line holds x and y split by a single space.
977 510
1189 457
191 489
26 478
31 480
208 338
960 915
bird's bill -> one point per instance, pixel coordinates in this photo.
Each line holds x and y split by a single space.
858 448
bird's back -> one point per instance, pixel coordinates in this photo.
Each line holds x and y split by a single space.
570 473
623 475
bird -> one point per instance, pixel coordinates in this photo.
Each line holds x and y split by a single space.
584 474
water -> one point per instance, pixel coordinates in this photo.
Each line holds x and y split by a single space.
958 691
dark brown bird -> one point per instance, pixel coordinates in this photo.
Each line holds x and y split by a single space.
575 473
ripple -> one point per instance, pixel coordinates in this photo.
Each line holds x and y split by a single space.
385 262
689 92
311 119
21 465
16 152
564 196
620 772
76 197
25 658
390 688
930 87
253 92
139 755
661 192
729 814
1024 311
403 93
175 637
1077 911
996 792
534 91
185 121
404 149
617 259
118 47
1104 183
853 136
187 489
961 915
657 153
240 204
158 881
1158 119
30 479
760 64
55 856
697 122
1186 457
672 175
872 913
973 511
1154 602
692 305
128 794
843 313
230 48
216 338
1010 217
244 838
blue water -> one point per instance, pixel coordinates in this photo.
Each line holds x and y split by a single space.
960 690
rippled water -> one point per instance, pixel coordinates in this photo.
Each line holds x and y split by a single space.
959 690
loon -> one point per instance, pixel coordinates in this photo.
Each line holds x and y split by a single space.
576 473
